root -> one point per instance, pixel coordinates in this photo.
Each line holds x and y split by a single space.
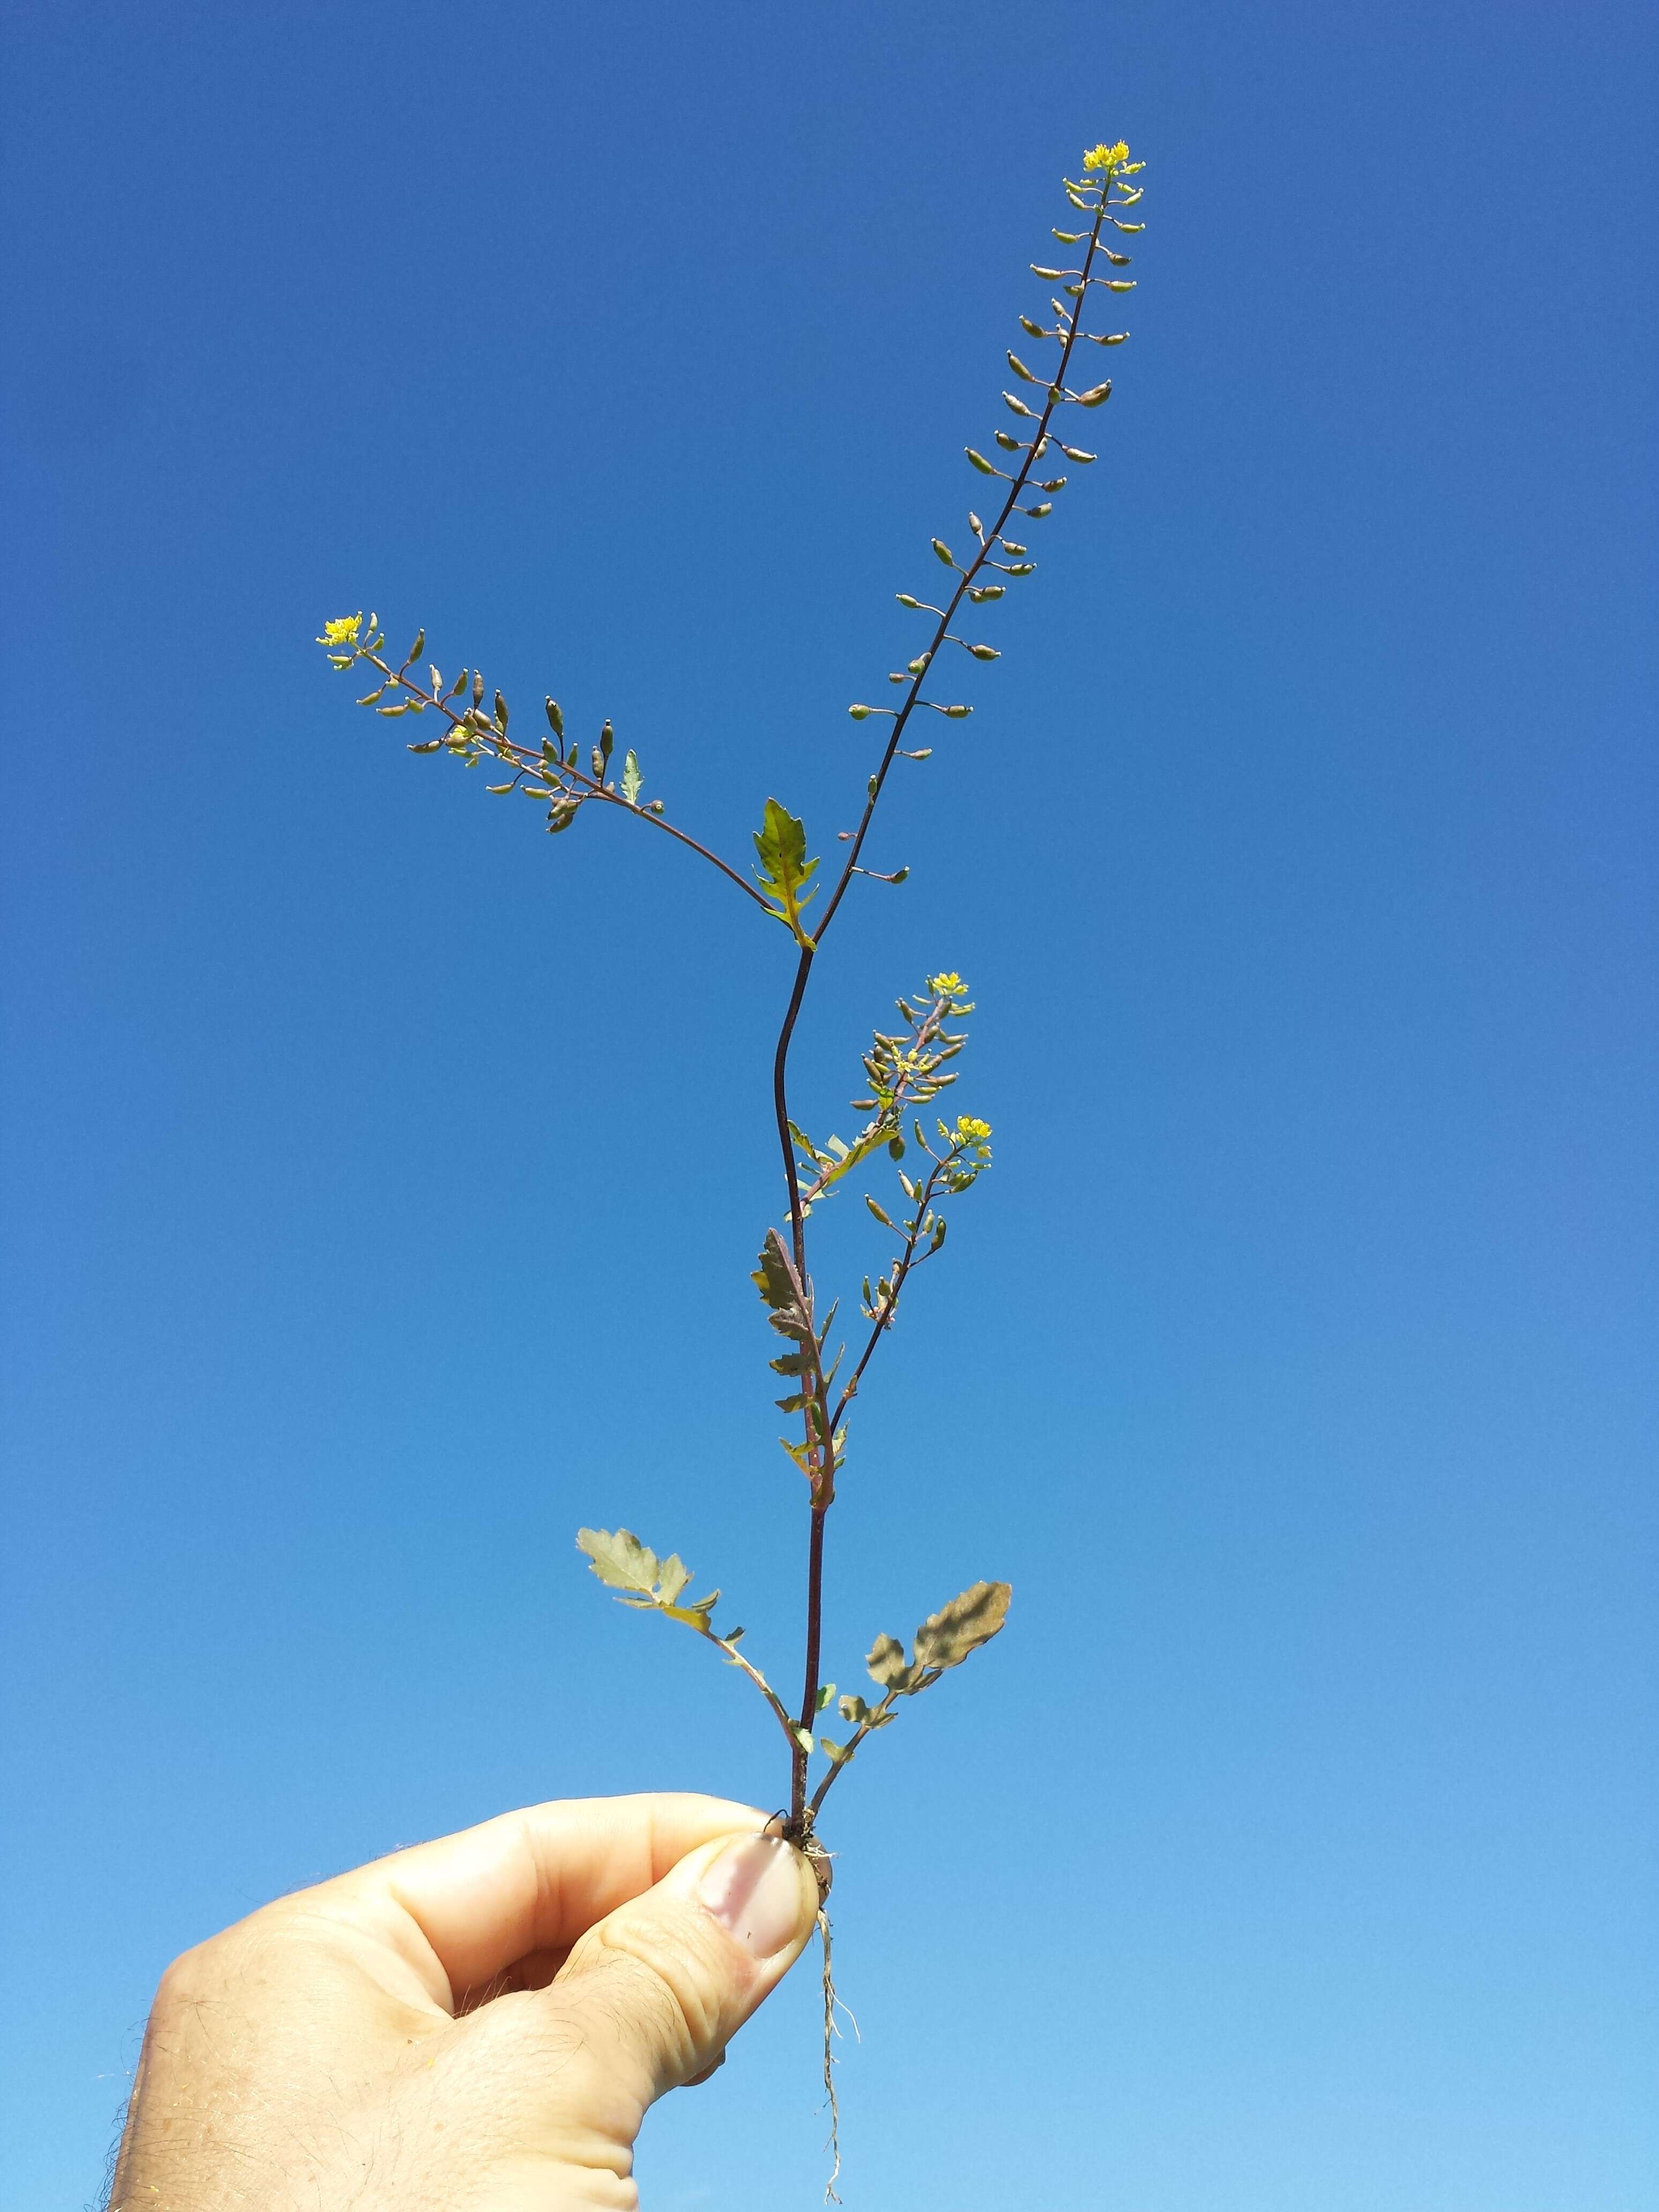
832 2004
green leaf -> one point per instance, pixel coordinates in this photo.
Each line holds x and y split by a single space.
947 1638
631 778
826 1690
854 1711
785 870
774 1276
620 1560
803 1738
640 1578
835 1752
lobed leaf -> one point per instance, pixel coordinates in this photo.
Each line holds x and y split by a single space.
947 1638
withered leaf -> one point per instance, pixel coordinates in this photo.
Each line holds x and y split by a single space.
889 1666
946 1637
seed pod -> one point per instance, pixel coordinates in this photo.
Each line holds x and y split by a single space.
959 714
478 687
501 710
1020 369
985 652
1116 283
980 462
1073 453
905 600
1043 507
860 713
1018 406
1032 330
1048 276
1006 440
944 553
1096 394
607 741
554 718
417 648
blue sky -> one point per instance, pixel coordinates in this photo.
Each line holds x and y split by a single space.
381 1180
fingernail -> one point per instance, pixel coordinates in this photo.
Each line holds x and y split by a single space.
754 1888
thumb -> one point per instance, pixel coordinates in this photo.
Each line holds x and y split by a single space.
651 1994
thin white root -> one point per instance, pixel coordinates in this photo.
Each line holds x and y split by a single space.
831 2001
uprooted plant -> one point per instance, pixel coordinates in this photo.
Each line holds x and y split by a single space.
906 1069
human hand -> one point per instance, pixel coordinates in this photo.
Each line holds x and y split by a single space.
478 2023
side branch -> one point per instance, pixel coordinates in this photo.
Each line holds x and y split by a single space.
491 740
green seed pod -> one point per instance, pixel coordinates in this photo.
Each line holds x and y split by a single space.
1048 276
554 718
1043 507
959 714
501 710
944 553
980 462
985 652
1006 440
478 687
1032 330
1073 453
1018 406
1095 395
607 741
905 600
1020 369
860 713
418 648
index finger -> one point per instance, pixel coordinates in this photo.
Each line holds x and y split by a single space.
537 1880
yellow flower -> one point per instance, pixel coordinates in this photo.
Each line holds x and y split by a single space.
946 985
970 1130
1106 157
342 632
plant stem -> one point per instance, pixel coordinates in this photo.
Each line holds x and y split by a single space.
799 1805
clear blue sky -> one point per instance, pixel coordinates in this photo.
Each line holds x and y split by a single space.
380 1178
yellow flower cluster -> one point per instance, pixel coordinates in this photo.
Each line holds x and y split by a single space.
1107 157
344 631
970 1130
946 985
